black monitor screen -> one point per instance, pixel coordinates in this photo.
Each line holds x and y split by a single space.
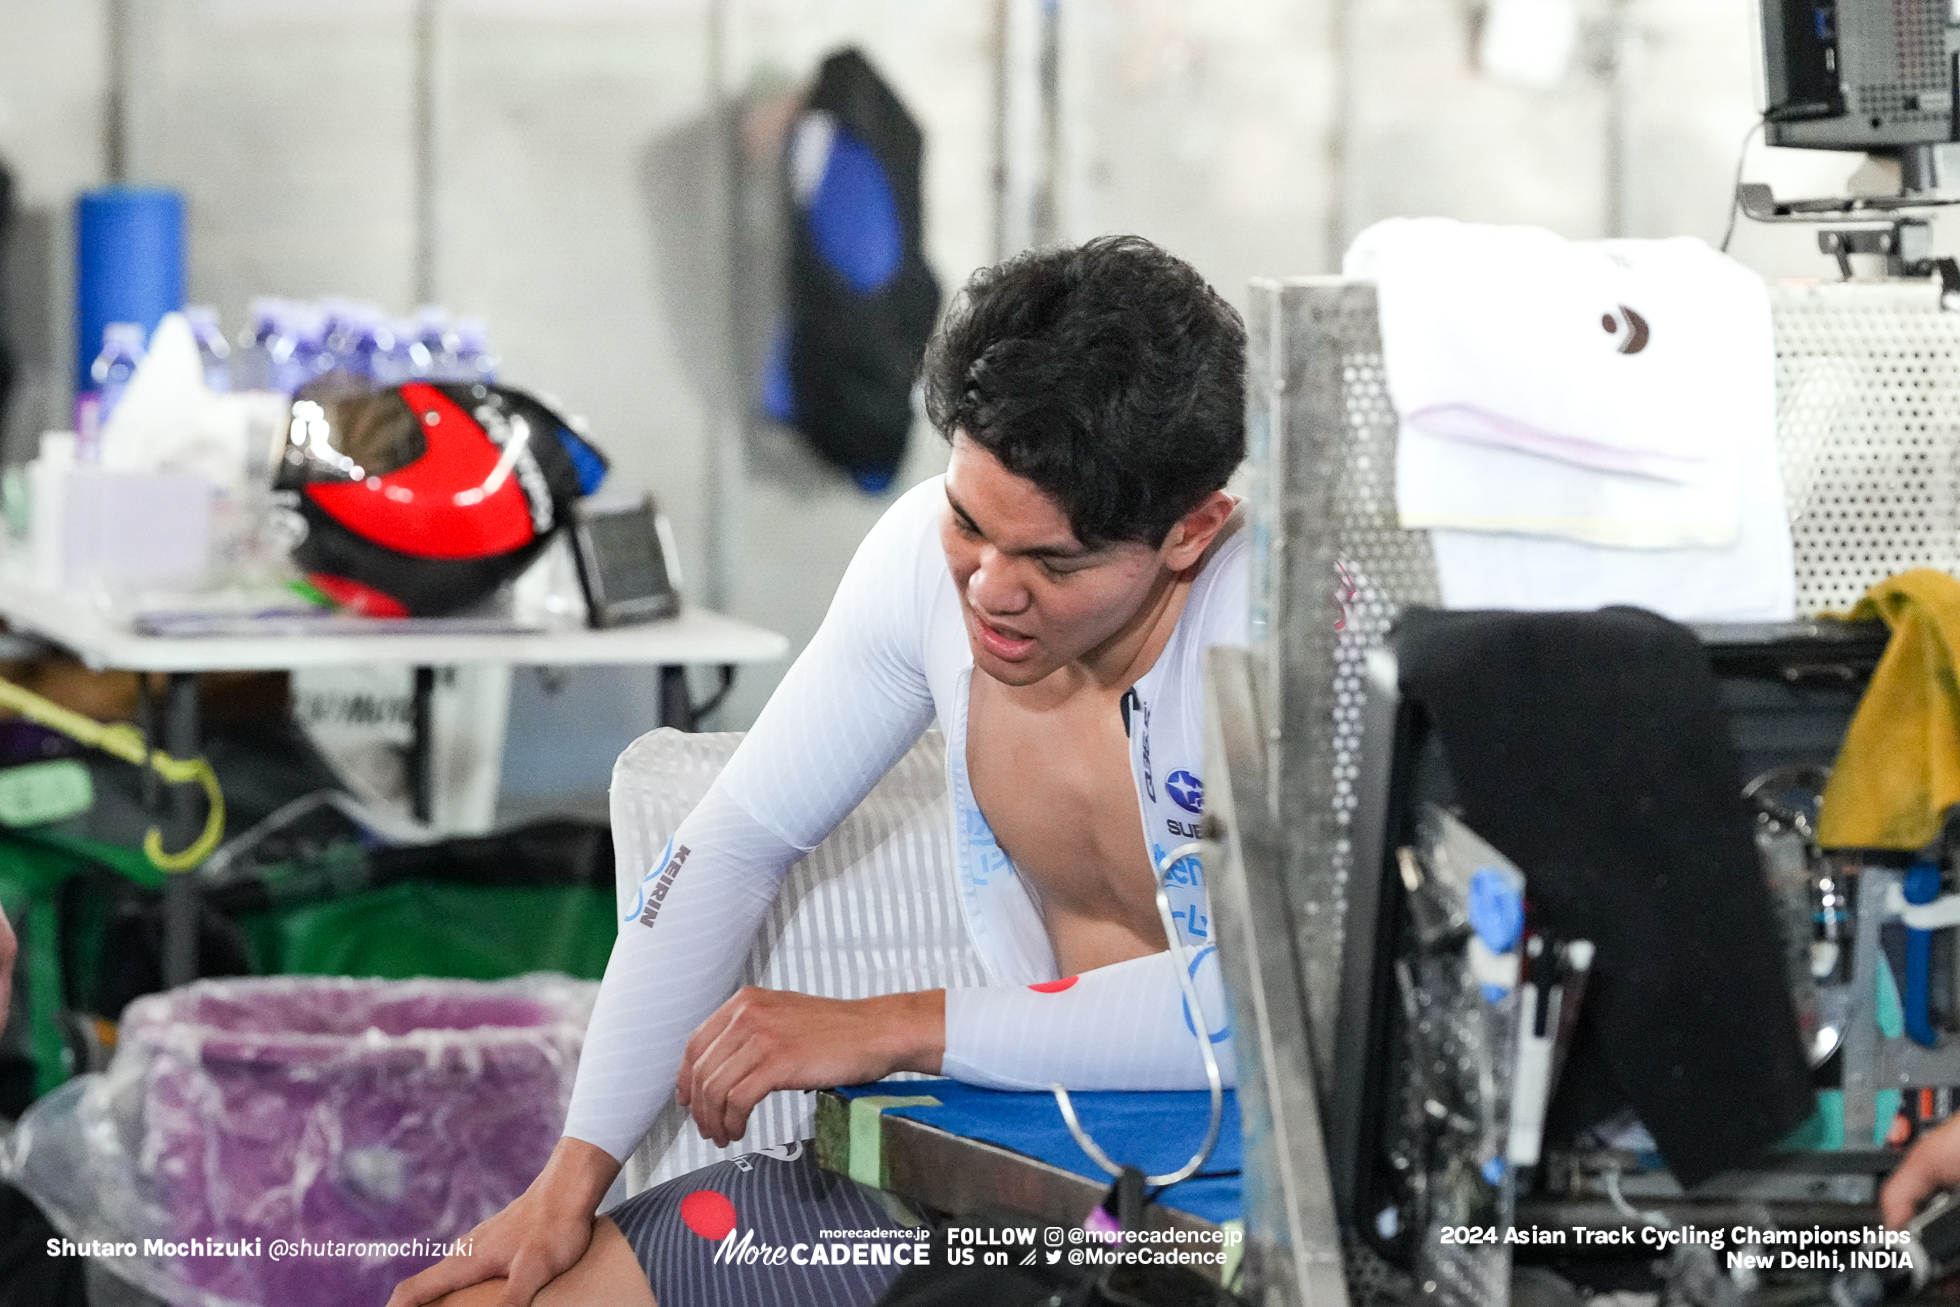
628 550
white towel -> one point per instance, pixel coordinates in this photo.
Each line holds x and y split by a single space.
1446 483
1753 580
1616 355
1516 339
1583 424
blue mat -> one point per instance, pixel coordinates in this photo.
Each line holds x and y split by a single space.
1157 1132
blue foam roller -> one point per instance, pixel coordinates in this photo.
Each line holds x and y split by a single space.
129 263
854 219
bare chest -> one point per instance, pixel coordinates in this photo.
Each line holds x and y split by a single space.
1055 785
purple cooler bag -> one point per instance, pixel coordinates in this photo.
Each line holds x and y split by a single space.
296 1140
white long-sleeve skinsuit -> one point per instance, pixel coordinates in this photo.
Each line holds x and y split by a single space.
891 654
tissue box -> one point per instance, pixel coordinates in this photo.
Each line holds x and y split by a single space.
135 528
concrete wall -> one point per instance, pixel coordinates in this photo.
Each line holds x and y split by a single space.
581 203
53 80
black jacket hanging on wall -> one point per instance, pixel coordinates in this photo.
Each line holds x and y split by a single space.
861 299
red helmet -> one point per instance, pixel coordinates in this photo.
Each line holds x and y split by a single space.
423 499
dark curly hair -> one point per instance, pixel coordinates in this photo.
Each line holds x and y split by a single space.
1110 375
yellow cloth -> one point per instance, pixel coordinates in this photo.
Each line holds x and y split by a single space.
1899 768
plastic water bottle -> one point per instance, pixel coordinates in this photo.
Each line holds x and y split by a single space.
47 477
394 357
353 331
312 352
473 359
340 322
370 343
420 362
274 361
347 338
338 335
251 363
122 351
213 350
437 338
431 321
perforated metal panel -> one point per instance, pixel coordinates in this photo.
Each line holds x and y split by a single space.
1332 557
1381 569
1868 427
1388 565
1918 68
1912 85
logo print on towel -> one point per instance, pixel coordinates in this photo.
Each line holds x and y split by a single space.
708 1214
1637 332
658 895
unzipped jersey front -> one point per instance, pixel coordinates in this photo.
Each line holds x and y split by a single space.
891 656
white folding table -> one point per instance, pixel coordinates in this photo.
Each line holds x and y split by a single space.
104 640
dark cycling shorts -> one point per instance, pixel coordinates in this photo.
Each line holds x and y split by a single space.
764 1229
